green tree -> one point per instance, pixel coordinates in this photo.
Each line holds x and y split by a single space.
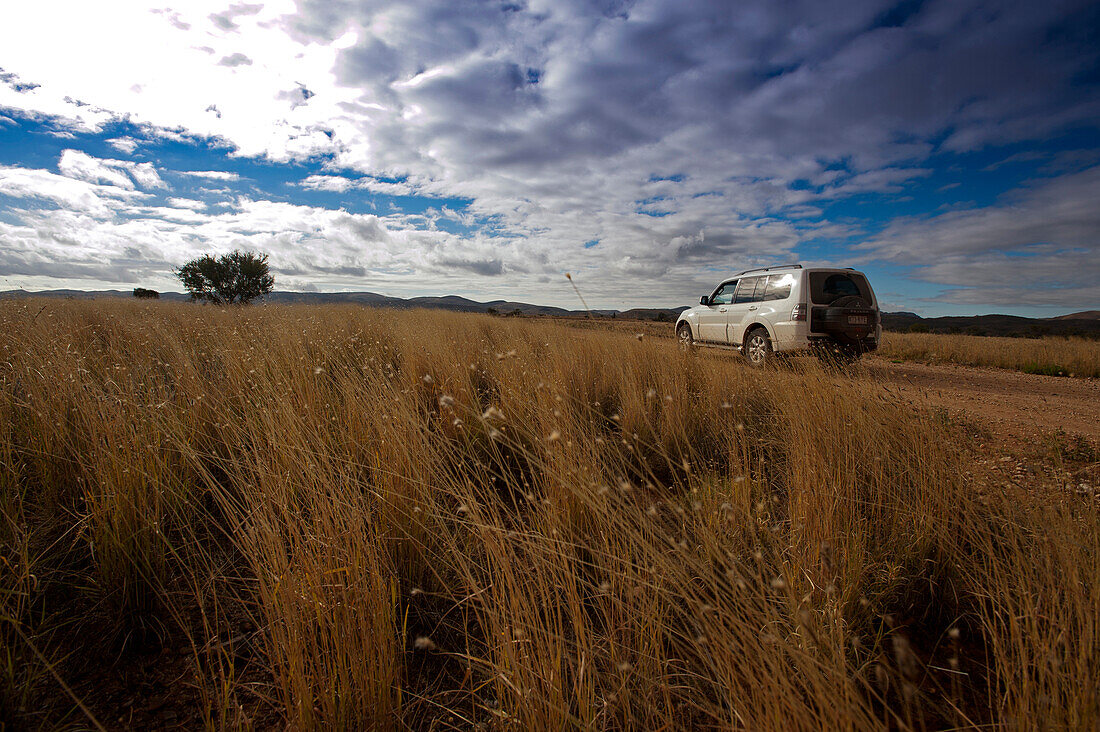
237 277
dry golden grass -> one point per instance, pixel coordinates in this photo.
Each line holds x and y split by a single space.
1053 356
377 520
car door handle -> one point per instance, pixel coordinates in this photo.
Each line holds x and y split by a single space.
752 308
721 310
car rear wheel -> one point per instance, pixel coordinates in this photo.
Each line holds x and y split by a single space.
684 337
758 347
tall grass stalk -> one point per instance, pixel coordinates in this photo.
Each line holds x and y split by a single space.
1052 356
376 519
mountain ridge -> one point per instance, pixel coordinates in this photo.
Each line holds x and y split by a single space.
456 303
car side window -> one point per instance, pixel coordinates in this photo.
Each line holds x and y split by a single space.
724 294
778 288
748 289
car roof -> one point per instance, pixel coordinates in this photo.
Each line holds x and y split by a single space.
761 272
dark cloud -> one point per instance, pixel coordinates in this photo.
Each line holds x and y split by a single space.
16 83
483 267
236 59
173 18
297 96
65 268
367 229
1060 211
227 19
752 88
348 270
1043 278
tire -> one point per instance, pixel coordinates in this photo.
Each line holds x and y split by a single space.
758 348
834 321
684 337
849 301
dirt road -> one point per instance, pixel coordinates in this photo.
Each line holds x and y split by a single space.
1011 403
1014 405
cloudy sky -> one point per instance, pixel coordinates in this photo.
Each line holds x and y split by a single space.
949 148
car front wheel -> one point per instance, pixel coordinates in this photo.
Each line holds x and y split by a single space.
758 347
684 337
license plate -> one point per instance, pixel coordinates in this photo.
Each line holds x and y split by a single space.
857 320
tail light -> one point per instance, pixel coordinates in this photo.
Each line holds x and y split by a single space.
799 312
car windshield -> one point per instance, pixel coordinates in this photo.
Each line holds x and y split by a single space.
828 287
724 294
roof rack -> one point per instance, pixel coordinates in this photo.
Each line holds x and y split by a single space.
769 269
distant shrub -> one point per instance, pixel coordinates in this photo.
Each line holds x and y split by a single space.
1045 369
237 277
141 292
919 328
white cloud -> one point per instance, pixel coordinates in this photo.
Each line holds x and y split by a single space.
80 165
330 183
340 184
209 174
68 193
145 174
109 233
188 203
123 144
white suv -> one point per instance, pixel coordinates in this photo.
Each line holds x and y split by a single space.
784 309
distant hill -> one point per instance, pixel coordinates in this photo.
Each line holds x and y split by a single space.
995 325
1083 315
1086 323
669 314
373 299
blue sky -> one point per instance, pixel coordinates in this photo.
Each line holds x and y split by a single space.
949 149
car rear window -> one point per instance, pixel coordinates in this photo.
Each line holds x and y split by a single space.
827 287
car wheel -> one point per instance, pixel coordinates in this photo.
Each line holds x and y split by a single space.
684 337
758 347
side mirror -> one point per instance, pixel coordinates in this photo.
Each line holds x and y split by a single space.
704 300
